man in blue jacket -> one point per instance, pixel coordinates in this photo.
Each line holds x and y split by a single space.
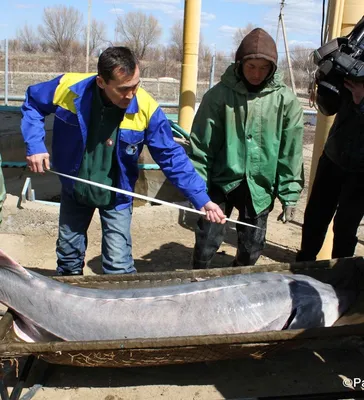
101 124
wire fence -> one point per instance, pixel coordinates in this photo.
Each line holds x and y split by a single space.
160 78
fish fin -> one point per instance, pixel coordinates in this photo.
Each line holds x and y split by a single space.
290 319
30 333
9 263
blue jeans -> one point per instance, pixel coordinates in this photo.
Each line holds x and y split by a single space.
74 220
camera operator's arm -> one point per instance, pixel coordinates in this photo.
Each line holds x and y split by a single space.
357 91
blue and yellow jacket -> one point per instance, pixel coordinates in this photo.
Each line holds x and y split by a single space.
69 97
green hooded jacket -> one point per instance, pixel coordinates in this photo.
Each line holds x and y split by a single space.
258 136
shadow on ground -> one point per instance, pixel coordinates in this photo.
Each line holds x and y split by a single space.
299 371
175 256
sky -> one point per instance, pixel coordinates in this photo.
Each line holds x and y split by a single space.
219 18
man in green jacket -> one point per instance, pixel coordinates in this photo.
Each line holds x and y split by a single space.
2 190
246 142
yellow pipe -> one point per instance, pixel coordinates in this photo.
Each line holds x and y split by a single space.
343 16
336 22
352 12
324 123
191 41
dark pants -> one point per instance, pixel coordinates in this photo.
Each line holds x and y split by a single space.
334 190
209 236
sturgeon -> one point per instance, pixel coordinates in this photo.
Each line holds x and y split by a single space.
46 309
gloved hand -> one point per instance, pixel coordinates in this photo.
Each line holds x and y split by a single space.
287 215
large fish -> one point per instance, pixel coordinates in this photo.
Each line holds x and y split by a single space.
51 310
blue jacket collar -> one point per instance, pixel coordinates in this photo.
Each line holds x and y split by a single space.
133 107
83 90
79 88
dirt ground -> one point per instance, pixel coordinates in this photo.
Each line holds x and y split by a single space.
163 239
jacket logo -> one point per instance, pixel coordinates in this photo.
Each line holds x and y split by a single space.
131 149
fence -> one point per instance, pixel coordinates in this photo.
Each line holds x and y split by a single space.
160 78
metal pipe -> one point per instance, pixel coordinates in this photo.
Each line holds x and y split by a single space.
351 12
288 55
162 105
49 203
11 98
191 38
22 98
88 35
336 19
23 164
343 15
277 36
212 71
6 71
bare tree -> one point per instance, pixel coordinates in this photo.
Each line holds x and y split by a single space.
240 33
302 65
43 45
138 31
61 27
14 45
97 35
204 51
300 58
28 39
177 40
72 60
222 61
204 59
167 62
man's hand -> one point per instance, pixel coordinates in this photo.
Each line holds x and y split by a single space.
287 215
356 89
213 213
38 162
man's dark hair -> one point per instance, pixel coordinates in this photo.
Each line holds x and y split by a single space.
116 58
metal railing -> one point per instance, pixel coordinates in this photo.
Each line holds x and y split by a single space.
162 105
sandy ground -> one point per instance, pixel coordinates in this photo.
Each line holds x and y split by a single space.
163 239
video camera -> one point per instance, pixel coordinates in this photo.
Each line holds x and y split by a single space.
340 58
